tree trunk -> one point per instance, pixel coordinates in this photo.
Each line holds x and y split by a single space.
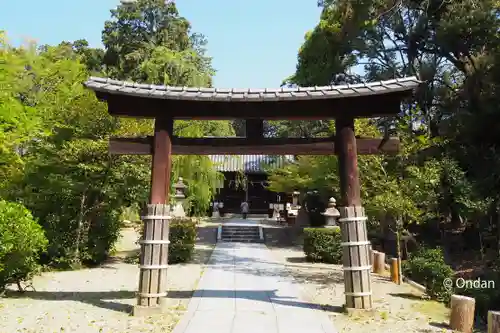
398 249
481 244
81 215
497 215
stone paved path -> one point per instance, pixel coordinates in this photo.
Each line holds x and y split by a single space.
244 290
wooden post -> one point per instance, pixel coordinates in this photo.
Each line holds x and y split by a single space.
493 321
370 251
254 128
355 243
355 258
372 257
462 313
154 243
153 261
162 161
379 263
395 270
346 151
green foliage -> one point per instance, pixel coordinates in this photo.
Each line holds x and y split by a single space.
19 119
147 41
54 132
82 218
182 240
427 267
68 180
198 171
130 213
21 241
447 126
323 245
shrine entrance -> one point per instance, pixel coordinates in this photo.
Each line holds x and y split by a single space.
342 103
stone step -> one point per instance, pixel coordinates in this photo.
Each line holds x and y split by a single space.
241 236
240 232
240 228
248 231
231 240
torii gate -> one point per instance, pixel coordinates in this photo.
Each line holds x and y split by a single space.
342 103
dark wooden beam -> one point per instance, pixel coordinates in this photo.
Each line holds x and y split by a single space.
358 107
254 128
244 146
347 153
162 161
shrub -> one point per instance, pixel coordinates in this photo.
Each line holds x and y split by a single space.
21 240
323 245
427 267
182 240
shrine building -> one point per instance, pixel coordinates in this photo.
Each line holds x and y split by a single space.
246 179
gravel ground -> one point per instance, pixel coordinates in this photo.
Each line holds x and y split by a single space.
100 299
398 308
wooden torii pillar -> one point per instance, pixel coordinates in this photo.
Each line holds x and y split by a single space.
355 243
162 161
153 262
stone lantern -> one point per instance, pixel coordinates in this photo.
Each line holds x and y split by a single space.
331 214
295 198
180 198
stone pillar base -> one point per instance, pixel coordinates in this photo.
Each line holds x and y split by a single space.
359 312
146 311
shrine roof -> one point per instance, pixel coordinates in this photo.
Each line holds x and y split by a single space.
115 87
249 163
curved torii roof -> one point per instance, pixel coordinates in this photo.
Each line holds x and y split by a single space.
372 99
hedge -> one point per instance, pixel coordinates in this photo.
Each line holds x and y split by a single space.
323 245
182 240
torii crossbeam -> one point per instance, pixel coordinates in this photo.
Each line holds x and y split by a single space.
342 103
246 146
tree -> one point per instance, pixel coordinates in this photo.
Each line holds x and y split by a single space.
147 41
69 181
20 121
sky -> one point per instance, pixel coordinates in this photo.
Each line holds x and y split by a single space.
253 44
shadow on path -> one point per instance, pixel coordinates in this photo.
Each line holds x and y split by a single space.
102 299
407 296
268 296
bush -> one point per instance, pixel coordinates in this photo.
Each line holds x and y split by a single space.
323 245
21 240
182 240
427 267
